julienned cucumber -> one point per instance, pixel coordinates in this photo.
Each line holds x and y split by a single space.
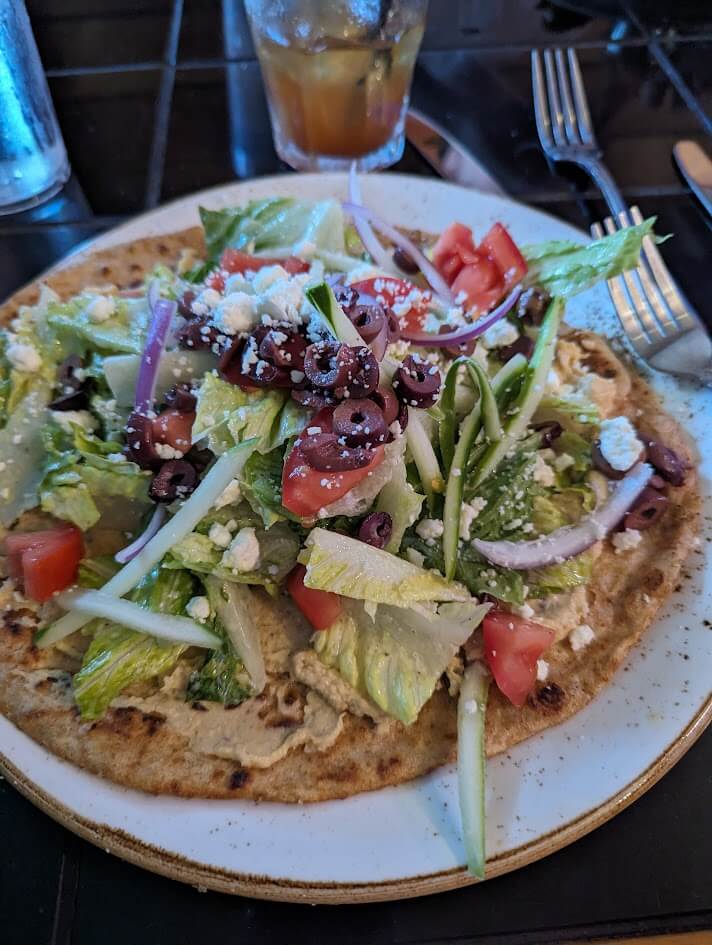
530 394
485 408
471 765
424 457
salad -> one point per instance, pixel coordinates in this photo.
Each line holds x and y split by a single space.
393 432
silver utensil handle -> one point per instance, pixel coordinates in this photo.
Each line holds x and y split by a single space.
604 181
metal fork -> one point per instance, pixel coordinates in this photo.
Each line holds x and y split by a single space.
661 325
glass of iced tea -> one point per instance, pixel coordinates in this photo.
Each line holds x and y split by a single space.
337 75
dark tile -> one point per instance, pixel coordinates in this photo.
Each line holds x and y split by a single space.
201 34
686 18
32 848
107 122
692 62
74 34
468 23
484 98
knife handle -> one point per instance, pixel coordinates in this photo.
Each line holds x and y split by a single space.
696 169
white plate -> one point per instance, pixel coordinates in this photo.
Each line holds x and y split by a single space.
406 841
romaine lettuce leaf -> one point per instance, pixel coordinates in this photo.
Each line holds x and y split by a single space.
261 485
221 678
556 509
565 268
396 658
227 415
349 567
22 452
579 449
400 500
117 657
575 414
123 332
558 578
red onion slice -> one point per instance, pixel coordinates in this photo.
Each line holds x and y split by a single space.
436 281
130 551
469 331
375 250
162 312
570 540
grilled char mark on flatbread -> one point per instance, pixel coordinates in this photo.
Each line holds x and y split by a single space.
141 750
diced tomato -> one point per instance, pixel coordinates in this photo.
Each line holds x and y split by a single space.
173 428
321 608
306 490
454 249
46 561
394 292
512 647
499 246
233 260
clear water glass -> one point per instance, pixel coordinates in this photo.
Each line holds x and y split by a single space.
33 159
338 77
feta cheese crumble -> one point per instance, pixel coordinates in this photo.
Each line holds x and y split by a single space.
429 529
627 540
198 608
499 335
542 670
81 418
619 443
244 551
231 493
100 309
220 535
468 513
581 636
166 451
542 472
235 313
23 357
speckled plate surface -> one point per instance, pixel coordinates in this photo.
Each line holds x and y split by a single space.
406 841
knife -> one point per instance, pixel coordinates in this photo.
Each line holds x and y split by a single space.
446 155
696 168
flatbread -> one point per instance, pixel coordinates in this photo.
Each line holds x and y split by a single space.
137 748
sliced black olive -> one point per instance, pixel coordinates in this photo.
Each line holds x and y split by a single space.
197 335
345 295
312 400
666 461
363 378
324 453
284 352
376 529
181 398
185 304
368 320
360 422
416 382
329 364
176 479
390 406
140 443
466 348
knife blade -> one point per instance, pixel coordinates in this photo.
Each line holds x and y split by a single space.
446 155
696 168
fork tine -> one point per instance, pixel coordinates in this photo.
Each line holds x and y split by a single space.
651 289
541 106
624 310
640 307
585 126
680 314
567 104
557 118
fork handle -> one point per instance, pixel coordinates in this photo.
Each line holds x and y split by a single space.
604 181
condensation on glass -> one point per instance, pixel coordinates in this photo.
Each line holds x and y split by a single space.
337 77
33 160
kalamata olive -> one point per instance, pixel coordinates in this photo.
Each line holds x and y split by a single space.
376 529
176 479
416 382
197 335
657 482
329 364
523 345
312 400
284 349
390 406
394 330
345 295
181 398
466 348
550 430
405 261
230 362
173 428
140 441
360 422
324 453
363 379
602 464
368 320
666 462
77 399
646 510
532 305
67 374
185 304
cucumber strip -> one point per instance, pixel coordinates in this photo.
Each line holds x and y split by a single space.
324 301
505 379
471 710
530 394
163 626
488 403
424 456
228 467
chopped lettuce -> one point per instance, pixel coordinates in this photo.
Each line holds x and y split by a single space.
397 658
579 449
95 572
559 578
23 454
555 509
261 485
176 367
273 223
117 657
257 418
221 678
400 500
575 414
359 499
79 475
123 332
565 268
349 567
228 415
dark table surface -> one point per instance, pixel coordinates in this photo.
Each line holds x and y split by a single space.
158 98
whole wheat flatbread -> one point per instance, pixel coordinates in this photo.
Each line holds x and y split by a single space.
137 749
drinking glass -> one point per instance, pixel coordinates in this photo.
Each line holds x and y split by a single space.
33 160
338 76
